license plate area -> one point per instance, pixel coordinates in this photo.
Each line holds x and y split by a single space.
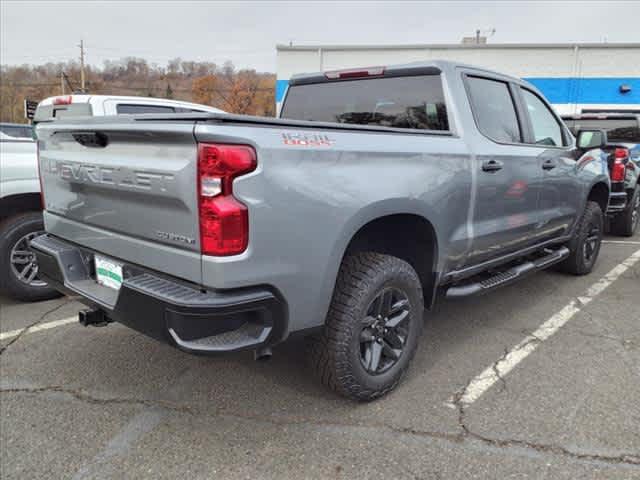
108 272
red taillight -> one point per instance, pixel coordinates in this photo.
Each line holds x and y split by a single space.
224 221
224 226
621 153
355 73
63 100
618 169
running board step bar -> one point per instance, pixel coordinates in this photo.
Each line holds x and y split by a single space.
508 276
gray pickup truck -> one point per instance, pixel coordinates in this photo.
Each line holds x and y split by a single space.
376 191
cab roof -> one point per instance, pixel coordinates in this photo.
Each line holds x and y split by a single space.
432 67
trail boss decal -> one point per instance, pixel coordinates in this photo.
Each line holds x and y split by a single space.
307 139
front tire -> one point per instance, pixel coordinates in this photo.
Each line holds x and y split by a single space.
18 269
584 248
626 223
372 328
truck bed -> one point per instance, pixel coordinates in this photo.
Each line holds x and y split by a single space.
228 118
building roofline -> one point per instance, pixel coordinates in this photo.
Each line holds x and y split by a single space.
454 46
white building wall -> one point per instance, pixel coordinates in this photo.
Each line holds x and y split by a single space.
573 77
517 62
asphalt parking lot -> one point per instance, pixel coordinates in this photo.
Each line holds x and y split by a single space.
538 380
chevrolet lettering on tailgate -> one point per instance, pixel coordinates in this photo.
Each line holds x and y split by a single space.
99 174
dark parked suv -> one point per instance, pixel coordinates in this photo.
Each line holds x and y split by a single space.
623 148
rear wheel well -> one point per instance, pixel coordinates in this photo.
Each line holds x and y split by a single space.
22 202
600 194
409 237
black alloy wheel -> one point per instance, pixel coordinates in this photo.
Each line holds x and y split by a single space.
384 335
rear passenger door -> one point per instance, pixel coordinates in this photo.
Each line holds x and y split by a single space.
550 141
508 172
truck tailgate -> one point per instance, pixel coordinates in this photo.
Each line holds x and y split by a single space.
125 189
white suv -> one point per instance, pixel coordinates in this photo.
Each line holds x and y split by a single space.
99 105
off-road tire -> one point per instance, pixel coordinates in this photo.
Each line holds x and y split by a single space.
625 223
335 354
12 230
577 262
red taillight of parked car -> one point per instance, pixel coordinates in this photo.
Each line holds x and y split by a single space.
224 220
618 169
63 100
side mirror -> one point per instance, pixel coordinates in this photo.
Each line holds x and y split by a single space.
588 139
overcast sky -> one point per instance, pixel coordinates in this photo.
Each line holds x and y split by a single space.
247 32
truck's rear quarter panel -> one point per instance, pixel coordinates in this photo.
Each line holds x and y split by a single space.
307 201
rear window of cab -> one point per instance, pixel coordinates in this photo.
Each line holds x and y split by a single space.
618 129
414 102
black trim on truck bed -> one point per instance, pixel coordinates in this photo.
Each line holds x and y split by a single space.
168 310
89 124
95 123
288 123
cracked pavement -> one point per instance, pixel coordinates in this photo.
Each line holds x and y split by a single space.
108 402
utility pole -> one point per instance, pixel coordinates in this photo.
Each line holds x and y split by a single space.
82 89
62 82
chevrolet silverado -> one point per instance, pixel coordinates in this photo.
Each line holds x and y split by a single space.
375 192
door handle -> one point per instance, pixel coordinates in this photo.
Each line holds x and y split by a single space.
549 165
492 166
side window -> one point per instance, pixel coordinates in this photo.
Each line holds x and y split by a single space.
190 110
17 131
546 129
494 109
124 108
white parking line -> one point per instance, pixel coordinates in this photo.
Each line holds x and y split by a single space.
492 374
38 328
621 242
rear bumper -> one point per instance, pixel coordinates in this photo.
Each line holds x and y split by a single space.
166 308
